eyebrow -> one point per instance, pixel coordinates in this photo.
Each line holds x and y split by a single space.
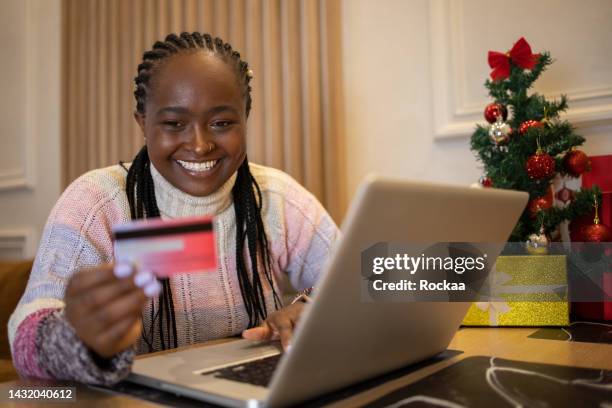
181 110
222 108
172 109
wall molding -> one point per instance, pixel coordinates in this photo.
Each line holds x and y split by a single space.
20 241
14 179
453 117
24 177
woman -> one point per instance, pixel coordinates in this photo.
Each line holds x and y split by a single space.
83 317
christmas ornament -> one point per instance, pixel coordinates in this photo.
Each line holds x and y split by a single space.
540 165
495 110
565 195
486 182
520 55
596 232
500 131
576 162
540 204
537 244
528 124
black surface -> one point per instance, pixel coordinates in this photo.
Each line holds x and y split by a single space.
584 332
170 399
375 382
153 395
164 230
492 382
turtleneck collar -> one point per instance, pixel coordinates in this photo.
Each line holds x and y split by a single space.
174 203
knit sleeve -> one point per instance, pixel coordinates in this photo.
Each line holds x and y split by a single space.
310 234
77 235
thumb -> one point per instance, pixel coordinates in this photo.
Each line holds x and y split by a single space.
258 333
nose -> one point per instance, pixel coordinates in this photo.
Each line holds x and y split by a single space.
199 142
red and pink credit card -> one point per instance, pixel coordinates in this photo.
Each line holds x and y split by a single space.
167 247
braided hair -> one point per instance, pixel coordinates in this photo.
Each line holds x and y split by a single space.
246 192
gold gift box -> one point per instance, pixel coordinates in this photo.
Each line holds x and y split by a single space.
516 277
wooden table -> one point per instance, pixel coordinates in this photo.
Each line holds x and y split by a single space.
510 343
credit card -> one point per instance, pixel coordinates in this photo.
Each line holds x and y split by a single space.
167 247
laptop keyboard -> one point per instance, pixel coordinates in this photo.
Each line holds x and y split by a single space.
257 372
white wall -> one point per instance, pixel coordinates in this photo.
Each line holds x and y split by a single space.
414 73
30 37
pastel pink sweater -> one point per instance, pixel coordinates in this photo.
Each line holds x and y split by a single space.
207 306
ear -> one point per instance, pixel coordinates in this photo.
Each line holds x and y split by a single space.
140 119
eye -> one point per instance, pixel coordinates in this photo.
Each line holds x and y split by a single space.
221 124
174 124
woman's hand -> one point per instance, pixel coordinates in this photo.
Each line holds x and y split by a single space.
104 305
279 324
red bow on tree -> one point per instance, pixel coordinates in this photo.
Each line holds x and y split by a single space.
520 54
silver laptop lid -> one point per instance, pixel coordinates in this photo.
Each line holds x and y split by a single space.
342 340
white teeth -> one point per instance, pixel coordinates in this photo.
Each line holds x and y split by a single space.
193 166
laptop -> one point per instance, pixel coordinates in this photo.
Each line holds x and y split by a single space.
341 340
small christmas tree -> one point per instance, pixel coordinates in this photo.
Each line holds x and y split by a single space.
528 149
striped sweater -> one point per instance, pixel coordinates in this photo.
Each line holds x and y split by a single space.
207 306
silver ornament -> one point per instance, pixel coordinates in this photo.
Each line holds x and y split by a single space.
500 131
537 244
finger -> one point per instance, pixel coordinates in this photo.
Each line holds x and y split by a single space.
102 295
130 304
296 312
118 336
260 333
98 297
88 278
283 325
91 277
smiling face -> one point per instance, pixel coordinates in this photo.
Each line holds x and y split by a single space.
195 122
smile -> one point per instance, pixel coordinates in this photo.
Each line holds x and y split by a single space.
198 167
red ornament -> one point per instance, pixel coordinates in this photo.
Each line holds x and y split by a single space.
528 124
520 55
540 165
495 110
576 162
486 182
596 233
565 195
539 204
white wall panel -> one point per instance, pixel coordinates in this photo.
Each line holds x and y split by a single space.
575 34
30 35
414 72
